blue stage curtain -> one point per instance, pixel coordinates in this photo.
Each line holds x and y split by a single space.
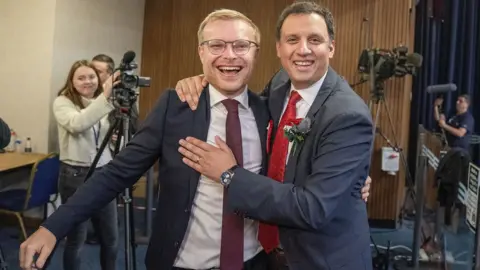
447 35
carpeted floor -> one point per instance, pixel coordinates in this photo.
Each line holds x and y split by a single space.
459 246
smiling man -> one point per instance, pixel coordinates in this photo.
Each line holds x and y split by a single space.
194 229
307 203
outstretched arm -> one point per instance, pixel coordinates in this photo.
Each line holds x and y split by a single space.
122 172
190 89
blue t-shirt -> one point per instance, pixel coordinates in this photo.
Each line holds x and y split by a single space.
464 120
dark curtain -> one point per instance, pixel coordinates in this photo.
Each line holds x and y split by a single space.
447 35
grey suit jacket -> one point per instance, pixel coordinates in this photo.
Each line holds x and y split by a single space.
322 218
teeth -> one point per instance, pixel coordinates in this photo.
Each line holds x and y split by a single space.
229 68
303 63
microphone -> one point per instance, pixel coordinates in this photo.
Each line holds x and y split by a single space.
128 57
441 88
415 59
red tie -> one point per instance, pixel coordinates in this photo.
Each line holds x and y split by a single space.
268 234
231 250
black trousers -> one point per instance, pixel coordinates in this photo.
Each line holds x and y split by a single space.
104 222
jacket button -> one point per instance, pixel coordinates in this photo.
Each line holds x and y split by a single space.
186 210
176 244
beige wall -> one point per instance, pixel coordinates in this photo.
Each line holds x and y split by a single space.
41 41
26 51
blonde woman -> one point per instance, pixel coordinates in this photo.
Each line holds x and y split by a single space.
81 111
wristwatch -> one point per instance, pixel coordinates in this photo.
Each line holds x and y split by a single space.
227 176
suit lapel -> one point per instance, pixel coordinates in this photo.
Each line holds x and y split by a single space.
261 118
325 91
276 102
200 125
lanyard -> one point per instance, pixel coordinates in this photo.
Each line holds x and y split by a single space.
96 134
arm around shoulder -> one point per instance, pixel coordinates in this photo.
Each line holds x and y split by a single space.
75 120
340 160
122 172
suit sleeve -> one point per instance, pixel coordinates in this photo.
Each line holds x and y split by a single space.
122 172
341 160
4 134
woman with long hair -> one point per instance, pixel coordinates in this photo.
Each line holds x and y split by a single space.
81 110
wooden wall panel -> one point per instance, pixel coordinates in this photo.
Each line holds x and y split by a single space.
170 53
383 24
170 41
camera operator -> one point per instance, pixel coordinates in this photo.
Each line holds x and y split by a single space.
105 67
81 111
4 134
459 127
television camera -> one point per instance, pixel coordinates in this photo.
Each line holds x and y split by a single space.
124 95
388 63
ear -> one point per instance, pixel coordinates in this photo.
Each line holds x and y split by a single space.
332 49
277 45
257 52
201 52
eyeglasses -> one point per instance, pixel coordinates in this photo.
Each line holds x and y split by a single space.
239 47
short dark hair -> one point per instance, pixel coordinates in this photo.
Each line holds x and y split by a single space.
466 97
105 59
307 7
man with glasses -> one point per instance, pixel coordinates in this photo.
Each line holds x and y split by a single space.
321 139
192 228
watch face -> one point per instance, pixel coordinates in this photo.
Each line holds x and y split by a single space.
226 177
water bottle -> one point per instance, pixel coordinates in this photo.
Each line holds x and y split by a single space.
13 139
18 145
28 145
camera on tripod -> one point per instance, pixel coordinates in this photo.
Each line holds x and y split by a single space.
388 63
124 94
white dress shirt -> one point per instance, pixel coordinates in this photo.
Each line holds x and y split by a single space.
200 248
303 105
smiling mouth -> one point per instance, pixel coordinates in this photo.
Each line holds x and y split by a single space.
229 70
303 63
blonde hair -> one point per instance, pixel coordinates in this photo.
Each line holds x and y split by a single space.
227 15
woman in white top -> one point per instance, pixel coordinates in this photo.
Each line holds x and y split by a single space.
81 111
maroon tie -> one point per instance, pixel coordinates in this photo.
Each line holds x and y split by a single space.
231 252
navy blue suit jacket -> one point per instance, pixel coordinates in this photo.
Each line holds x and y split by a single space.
322 218
157 138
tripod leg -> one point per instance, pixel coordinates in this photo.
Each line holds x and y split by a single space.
132 231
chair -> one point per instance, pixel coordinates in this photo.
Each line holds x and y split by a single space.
42 184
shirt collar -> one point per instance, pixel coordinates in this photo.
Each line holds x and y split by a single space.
310 93
217 97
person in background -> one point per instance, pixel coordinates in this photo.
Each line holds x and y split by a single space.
81 110
459 127
4 134
105 66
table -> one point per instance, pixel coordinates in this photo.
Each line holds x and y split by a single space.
13 160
